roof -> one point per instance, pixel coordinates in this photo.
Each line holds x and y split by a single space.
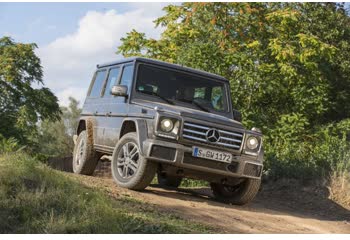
161 63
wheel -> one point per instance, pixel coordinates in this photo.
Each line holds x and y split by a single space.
129 169
168 181
85 158
240 194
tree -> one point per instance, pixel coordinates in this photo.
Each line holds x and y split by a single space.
288 66
21 104
56 137
281 58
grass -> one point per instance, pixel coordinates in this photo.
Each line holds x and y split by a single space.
37 199
339 188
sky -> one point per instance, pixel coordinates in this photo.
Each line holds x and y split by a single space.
73 37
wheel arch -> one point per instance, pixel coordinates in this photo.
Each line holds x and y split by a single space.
86 124
135 125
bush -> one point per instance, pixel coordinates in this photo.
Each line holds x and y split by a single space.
8 145
309 155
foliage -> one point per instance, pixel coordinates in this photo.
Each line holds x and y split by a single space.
8 145
55 138
22 100
288 65
36 199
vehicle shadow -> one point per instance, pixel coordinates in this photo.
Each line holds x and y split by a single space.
300 202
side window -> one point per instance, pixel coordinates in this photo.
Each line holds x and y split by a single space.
98 83
199 92
127 76
112 80
217 95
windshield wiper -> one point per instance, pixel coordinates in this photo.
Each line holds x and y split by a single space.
195 103
200 106
157 95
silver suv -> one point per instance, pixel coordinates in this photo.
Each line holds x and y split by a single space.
150 117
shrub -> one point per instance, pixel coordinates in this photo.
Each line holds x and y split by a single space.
309 155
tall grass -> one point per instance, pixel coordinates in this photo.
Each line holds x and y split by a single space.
37 199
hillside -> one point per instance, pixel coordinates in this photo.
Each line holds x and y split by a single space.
37 199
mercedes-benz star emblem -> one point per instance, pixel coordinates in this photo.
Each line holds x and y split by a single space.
213 135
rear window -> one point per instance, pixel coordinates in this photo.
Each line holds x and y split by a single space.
98 83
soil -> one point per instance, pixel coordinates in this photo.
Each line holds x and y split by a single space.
280 207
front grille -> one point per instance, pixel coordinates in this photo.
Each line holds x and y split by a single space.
197 132
252 170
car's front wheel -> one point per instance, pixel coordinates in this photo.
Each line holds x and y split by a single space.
239 194
129 169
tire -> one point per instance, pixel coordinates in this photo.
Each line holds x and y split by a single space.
238 195
133 172
85 157
168 181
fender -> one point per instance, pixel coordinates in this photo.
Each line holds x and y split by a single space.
141 131
89 127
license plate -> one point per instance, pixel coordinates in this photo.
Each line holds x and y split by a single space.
211 154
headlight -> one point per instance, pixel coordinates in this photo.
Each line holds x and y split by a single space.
166 125
252 143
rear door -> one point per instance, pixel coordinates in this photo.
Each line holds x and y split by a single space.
92 105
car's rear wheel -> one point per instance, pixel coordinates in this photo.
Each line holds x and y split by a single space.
165 180
239 194
129 168
85 157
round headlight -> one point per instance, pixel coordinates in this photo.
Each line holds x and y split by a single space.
252 143
166 125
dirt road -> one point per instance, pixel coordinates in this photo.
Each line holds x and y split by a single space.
277 209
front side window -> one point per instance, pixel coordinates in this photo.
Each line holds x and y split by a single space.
112 80
98 83
182 88
127 76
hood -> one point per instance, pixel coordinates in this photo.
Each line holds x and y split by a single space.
190 113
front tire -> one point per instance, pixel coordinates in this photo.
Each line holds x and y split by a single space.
85 157
240 194
129 168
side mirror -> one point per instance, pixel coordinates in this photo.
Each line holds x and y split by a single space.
237 115
119 90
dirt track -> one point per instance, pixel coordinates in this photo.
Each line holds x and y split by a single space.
277 209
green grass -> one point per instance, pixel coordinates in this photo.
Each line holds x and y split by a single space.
37 199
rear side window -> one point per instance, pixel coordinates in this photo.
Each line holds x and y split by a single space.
112 80
127 76
98 83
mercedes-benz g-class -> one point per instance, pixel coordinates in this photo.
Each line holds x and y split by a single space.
150 117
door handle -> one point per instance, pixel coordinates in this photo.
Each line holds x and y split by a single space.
108 114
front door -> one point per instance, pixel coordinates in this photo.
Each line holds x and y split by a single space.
116 108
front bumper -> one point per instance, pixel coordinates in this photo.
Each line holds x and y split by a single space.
180 155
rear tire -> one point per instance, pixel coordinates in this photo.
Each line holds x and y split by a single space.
129 168
168 181
85 157
240 194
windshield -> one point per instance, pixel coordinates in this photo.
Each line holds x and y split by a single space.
175 87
